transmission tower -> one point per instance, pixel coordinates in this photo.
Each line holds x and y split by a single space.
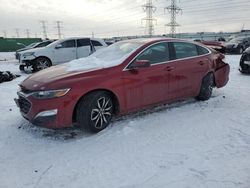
17 33
28 33
173 9
44 28
58 26
5 33
150 21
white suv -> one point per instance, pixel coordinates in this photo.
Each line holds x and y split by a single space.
60 51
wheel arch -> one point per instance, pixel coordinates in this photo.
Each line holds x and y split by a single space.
42 56
200 83
112 94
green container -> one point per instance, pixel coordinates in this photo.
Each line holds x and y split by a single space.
13 44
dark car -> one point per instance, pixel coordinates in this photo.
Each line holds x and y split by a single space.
237 45
245 62
125 77
33 45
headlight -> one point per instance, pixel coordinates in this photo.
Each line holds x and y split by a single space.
28 53
50 94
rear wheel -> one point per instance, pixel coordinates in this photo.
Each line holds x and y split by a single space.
41 63
95 111
21 67
206 87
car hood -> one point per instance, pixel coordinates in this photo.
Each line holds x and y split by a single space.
32 50
45 78
231 44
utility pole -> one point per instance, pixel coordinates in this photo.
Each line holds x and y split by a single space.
44 28
150 21
17 33
173 9
28 33
58 26
4 33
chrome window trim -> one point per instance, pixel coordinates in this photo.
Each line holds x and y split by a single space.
170 61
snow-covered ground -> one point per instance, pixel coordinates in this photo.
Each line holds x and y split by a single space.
184 145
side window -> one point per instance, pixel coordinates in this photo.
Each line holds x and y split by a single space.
156 54
68 44
83 42
184 50
96 43
201 50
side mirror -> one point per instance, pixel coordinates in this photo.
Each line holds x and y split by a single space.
58 46
140 64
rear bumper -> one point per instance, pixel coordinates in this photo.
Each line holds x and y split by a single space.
222 75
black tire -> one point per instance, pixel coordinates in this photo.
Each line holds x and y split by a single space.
21 67
41 63
95 111
206 89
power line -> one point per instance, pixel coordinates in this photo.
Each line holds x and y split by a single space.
150 21
173 9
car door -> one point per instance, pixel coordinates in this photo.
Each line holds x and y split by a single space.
83 47
189 69
147 86
65 51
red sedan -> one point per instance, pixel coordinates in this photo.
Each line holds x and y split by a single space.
124 77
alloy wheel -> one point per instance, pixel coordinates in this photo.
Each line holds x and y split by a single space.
102 113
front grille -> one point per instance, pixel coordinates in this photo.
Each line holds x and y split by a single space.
24 105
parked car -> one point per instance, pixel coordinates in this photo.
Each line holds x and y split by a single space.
216 45
60 51
33 45
237 45
245 62
125 77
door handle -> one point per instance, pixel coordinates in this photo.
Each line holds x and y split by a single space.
169 69
201 63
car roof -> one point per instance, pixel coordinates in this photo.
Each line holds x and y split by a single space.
153 40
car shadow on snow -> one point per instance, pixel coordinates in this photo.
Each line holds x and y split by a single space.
74 133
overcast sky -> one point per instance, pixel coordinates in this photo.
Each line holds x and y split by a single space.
107 18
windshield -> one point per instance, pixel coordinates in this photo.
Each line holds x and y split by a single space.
116 51
32 44
106 57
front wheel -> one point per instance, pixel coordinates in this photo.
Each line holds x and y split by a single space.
95 111
206 87
41 63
